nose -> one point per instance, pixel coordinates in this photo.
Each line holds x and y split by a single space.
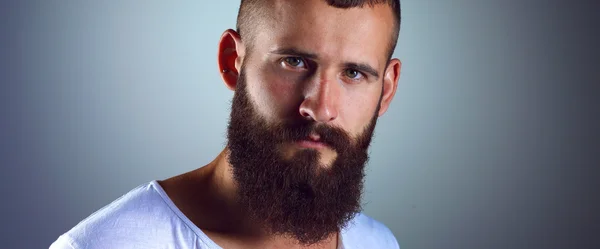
321 100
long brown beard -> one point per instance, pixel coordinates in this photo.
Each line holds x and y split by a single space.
294 197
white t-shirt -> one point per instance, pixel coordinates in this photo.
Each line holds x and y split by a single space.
145 218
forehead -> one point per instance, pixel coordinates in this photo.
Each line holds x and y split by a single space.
354 34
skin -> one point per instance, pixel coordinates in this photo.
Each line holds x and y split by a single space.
302 63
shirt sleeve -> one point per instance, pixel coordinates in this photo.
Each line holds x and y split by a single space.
63 242
395 243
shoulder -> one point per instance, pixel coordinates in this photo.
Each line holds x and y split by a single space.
138 216
366 232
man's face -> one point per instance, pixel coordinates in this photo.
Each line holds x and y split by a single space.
305 107
313 61
294 196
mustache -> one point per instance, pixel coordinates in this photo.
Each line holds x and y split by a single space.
334 137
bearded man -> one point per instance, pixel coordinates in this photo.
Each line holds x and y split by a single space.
310 79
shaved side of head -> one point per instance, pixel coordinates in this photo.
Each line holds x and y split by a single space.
255 14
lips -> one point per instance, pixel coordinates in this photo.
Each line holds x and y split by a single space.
312 141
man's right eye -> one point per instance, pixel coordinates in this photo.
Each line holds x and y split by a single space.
295 62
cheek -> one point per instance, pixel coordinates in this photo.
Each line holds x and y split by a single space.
274 95
358 108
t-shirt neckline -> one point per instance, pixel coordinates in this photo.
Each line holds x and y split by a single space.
201 235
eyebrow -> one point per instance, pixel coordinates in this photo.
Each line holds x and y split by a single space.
295 52
351 65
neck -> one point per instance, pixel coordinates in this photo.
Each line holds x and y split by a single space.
218 181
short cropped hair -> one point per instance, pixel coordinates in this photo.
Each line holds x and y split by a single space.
251 12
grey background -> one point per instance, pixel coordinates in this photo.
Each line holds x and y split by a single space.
492 140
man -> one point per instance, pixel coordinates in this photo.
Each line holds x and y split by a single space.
310 78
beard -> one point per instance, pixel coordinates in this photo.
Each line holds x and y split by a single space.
295 197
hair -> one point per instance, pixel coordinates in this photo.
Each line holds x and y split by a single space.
252 12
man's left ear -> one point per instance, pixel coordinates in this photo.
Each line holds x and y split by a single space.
390 84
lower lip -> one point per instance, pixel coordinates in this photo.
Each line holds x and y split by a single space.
311 144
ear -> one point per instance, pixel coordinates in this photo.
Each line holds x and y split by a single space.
390 84
230 57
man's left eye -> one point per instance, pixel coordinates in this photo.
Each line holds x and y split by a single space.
352 74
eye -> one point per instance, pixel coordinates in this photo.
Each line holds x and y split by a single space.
353 74
296 62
